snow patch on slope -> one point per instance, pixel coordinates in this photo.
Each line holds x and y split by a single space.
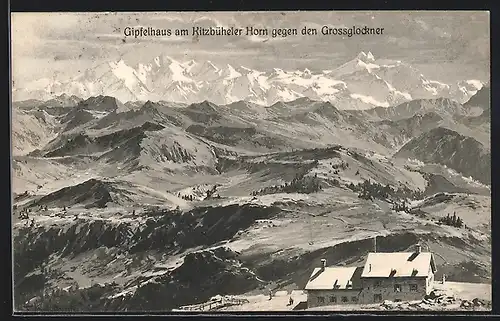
370 100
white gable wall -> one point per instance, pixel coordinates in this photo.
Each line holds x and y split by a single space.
430 281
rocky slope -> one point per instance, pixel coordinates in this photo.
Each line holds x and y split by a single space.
446 147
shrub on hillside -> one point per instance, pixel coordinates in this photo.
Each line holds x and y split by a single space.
454 220
372 190
300 184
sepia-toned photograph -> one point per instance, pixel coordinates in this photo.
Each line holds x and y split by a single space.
251 161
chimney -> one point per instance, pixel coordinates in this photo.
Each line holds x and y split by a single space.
418 248
323 263
369 267
375 244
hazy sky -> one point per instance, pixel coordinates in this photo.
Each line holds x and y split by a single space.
445 45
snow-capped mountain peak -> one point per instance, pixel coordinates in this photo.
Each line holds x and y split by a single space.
124 72
366 57
178 72
157 61
368 66
476 83
205 71
231 73
189 64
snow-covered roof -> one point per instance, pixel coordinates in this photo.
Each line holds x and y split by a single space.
338 278
400 264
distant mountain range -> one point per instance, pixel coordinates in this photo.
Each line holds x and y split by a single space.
361 83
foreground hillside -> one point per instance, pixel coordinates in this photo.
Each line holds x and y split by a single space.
119 206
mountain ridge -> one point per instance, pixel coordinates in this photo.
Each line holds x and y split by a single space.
447 147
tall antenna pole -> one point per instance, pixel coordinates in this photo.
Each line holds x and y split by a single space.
311 240
375 244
